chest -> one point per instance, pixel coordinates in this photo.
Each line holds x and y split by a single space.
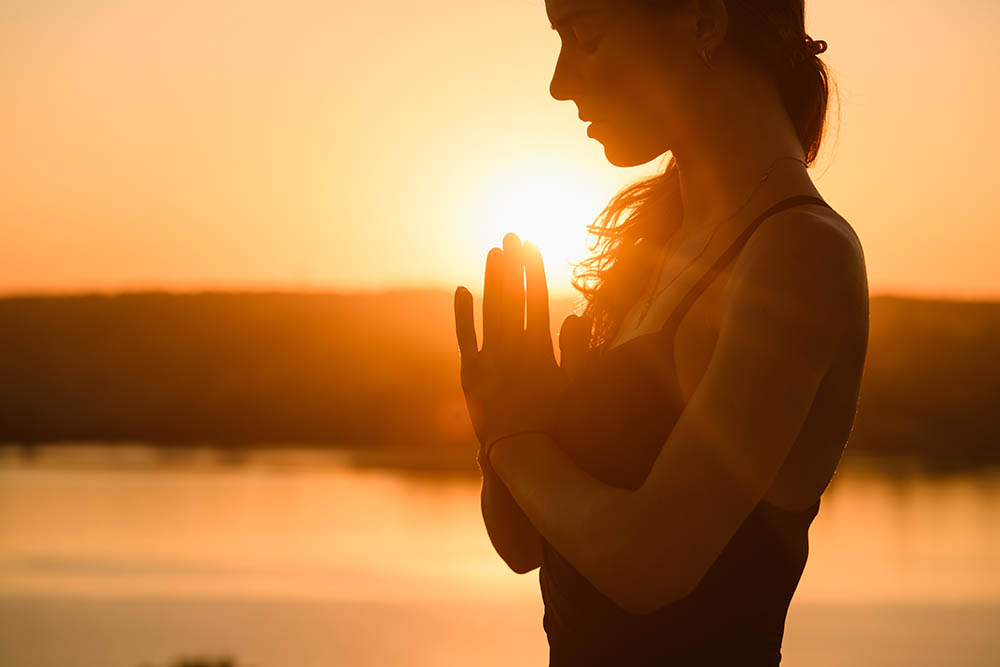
697 332
640 389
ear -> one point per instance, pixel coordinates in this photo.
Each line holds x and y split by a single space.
711 25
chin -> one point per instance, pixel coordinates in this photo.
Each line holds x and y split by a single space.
628 156
625 151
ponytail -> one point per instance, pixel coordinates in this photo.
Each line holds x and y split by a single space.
805 89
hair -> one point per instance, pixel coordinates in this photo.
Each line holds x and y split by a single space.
770 36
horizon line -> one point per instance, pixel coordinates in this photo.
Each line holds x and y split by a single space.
29 293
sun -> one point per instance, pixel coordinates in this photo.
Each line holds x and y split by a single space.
548 203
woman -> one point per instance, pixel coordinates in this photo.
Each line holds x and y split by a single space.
664 477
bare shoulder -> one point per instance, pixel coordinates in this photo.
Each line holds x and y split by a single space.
802 268
811 243
805 223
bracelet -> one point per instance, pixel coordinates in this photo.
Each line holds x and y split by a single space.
509 435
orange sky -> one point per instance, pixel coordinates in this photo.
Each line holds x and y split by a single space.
187 144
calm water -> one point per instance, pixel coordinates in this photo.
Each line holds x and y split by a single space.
133 556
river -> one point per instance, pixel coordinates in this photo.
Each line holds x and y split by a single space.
134 556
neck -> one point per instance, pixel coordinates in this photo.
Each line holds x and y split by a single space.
722 170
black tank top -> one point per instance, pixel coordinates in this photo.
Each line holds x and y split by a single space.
612 421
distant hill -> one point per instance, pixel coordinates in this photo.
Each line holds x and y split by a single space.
381 370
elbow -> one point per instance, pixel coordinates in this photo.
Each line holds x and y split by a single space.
524 568
648 587
655 566
526 559
524 564
648 599
642 602
520 559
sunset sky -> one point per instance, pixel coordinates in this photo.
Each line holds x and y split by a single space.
322 144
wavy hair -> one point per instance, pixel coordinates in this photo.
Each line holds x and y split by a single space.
770 36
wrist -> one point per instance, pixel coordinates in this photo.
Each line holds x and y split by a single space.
488 448
484 463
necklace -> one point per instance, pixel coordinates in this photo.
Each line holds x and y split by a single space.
649 302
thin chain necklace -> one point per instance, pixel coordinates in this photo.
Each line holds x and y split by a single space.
662 264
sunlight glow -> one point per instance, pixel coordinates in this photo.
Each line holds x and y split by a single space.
547 202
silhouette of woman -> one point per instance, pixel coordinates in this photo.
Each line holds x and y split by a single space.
665 475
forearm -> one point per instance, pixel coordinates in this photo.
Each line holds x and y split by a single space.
592 524
513 536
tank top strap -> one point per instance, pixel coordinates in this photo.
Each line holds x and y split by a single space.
731 252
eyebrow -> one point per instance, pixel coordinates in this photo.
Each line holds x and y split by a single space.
566 18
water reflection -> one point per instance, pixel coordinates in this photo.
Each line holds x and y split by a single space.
136 532
287 523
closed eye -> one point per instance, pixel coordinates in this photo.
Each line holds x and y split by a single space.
575 24
583 38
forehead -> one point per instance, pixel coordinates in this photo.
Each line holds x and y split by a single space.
560 11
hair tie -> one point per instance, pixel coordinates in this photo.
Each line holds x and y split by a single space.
815 47
808 47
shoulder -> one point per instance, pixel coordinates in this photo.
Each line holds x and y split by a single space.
807 244
812 232
799 269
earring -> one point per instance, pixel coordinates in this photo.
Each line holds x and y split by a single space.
706 58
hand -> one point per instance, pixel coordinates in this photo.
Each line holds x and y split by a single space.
513 382
574 344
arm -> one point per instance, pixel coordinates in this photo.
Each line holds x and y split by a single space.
512 534
646 548
584 519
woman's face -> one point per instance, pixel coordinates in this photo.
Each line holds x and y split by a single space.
632 73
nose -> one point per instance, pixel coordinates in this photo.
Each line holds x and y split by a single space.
565 81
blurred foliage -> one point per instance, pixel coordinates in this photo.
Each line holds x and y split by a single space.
381 370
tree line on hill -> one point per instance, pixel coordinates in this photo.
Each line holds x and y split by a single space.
381 370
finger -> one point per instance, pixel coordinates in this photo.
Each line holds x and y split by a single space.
492 295
566 335
574 339
581 334
567 350
537 295
513 292
465 325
